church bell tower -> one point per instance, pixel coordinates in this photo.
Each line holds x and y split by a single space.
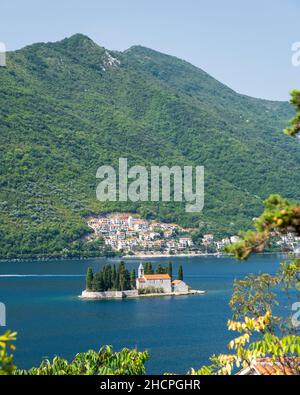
141 271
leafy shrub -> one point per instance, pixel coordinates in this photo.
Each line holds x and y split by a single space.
103 362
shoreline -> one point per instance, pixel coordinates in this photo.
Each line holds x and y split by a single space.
141 256
123 295
188 255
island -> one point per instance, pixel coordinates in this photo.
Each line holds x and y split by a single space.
113 282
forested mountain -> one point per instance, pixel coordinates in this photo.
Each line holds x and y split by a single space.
68 107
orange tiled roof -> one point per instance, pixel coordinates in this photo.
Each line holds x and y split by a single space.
267 367
176 281
157 277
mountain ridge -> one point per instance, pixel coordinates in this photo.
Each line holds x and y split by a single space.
68 107
84 38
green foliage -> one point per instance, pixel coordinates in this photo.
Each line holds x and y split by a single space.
295 121
89 279
124 277
151 290
254 298
132 279
262 333
62 116
160 269
103 362
111 278
148 268
6 359
280 215
180 273
170 270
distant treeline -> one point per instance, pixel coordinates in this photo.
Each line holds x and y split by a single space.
119 278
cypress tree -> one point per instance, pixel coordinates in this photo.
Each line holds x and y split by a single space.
117 278
132 279
107 274
159 269
89 279
127 284
180 273
104 279
162 270
170 269
98 285
114 277
121 277
148 268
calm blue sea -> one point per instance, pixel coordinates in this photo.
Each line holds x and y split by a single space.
179 332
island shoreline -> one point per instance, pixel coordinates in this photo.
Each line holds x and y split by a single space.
122 296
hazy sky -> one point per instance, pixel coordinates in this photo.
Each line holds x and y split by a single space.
244 44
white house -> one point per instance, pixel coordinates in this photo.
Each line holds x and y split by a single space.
234 239
185 242
179 286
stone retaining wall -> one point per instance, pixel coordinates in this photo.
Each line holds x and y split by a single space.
109 294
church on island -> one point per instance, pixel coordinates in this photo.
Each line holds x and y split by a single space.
159 281
118 282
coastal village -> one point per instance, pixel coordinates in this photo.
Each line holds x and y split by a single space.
289 242
129 234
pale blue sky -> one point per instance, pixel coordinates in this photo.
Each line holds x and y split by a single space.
244 44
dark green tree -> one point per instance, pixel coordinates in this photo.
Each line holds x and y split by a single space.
124 277
89 279
148 268
98 284
114 277
160 269
295 121
180 273
132 279
127 279
170 269
107 277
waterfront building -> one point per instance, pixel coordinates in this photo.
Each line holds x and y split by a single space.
162 281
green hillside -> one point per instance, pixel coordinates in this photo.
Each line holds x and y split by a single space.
68 107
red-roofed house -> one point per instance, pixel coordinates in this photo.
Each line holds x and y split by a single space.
162 281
